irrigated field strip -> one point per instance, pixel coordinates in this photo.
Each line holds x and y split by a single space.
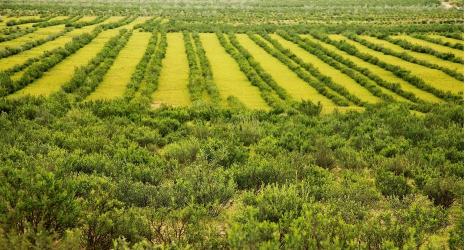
118 76
337 76
37 35
52 80
286 78
433 77
227 75
149 72
174 75
21 58
443 49
86 19
7 19
384 74
422 56
446 39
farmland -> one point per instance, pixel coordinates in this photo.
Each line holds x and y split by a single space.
304 124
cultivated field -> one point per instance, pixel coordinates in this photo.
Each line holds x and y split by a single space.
232 124
285 68
279 68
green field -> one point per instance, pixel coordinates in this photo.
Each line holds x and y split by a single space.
227 75
326 69
434 77
440 48
422 56
39 34
116 79
172 88
219 124
446 39
287 79
63 72
384 74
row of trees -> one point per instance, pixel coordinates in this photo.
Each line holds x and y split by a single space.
11 34
88 77
27 20
404 56
35 67
270 91
140 72
394 87
8 51
153 70
454 35
453 45
361 79
400 72
422 49
307 72
206 70
80 24
38 67
65 21
200 77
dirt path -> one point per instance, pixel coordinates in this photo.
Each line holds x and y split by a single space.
447 5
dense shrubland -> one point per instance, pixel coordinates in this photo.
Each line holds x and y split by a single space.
212 178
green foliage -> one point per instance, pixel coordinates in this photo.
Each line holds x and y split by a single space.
99 175
392 185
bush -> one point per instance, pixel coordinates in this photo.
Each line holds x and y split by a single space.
392 185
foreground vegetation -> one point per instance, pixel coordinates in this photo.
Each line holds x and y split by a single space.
112 174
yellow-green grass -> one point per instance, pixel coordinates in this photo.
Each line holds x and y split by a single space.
433 77
421 56
380 72
440 48
326 69
172 86
21 58
86 19
446 39
118 76
112 19
36 35
286 78
227 75
62 73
